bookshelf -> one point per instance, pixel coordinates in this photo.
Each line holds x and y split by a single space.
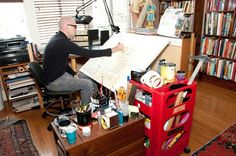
19 86
219 42
81 40
87 38
193 11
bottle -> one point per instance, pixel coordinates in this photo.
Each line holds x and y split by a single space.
128 88
99 118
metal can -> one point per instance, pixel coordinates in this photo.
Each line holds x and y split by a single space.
168 72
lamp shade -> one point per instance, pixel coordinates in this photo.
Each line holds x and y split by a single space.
83 19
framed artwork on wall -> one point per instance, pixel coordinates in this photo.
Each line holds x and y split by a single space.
144 14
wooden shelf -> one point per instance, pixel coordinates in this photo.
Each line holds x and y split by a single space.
218 42
16 78
196 11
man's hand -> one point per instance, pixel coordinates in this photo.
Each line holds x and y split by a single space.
118 47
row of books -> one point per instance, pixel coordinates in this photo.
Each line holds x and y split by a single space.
80 38
187 6
234 29
220 5
221 68
219 23
19 82
219 47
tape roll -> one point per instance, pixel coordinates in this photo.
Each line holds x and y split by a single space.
152 79
21 69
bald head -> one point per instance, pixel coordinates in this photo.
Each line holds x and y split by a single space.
63 24
63 21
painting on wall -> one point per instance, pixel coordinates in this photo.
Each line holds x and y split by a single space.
144 14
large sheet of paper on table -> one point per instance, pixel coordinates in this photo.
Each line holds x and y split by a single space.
139 53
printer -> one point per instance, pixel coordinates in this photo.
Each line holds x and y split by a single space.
13 51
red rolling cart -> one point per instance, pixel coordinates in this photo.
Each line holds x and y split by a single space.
169 112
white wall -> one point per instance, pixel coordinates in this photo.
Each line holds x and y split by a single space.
13 19
18 19
31 21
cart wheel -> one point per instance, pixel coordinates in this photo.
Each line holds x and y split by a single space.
49 128
44 115
187 150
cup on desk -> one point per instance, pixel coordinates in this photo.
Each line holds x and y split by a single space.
71 134
86 131
83 118
64 125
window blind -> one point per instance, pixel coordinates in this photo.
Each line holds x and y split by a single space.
48 13
119 11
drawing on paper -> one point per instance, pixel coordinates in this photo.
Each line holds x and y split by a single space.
139 53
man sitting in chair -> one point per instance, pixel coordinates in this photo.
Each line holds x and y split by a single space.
57 74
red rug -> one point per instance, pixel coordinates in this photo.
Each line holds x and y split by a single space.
15 139
223 145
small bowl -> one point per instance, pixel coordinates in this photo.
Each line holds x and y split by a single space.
180 75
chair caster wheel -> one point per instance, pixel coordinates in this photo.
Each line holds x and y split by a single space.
49 128
44 115
187 150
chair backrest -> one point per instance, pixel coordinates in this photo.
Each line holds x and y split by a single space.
37 72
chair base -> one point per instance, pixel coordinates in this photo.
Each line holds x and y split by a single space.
65 111
55 111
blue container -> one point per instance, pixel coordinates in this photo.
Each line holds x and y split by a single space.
121 122
71 137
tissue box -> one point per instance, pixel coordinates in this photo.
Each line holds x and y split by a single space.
110 120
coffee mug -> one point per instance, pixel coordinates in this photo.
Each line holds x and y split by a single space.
83 118
59 119
64 125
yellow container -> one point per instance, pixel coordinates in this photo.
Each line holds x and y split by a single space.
168 72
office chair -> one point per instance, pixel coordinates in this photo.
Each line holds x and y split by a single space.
50 97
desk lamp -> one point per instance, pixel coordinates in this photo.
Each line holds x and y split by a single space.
86 19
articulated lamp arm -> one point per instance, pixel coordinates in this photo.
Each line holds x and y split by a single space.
86 19
114 28
85 5
83 19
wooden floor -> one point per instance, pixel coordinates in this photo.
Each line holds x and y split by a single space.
214 111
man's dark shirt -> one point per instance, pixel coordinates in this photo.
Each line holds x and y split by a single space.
56 55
